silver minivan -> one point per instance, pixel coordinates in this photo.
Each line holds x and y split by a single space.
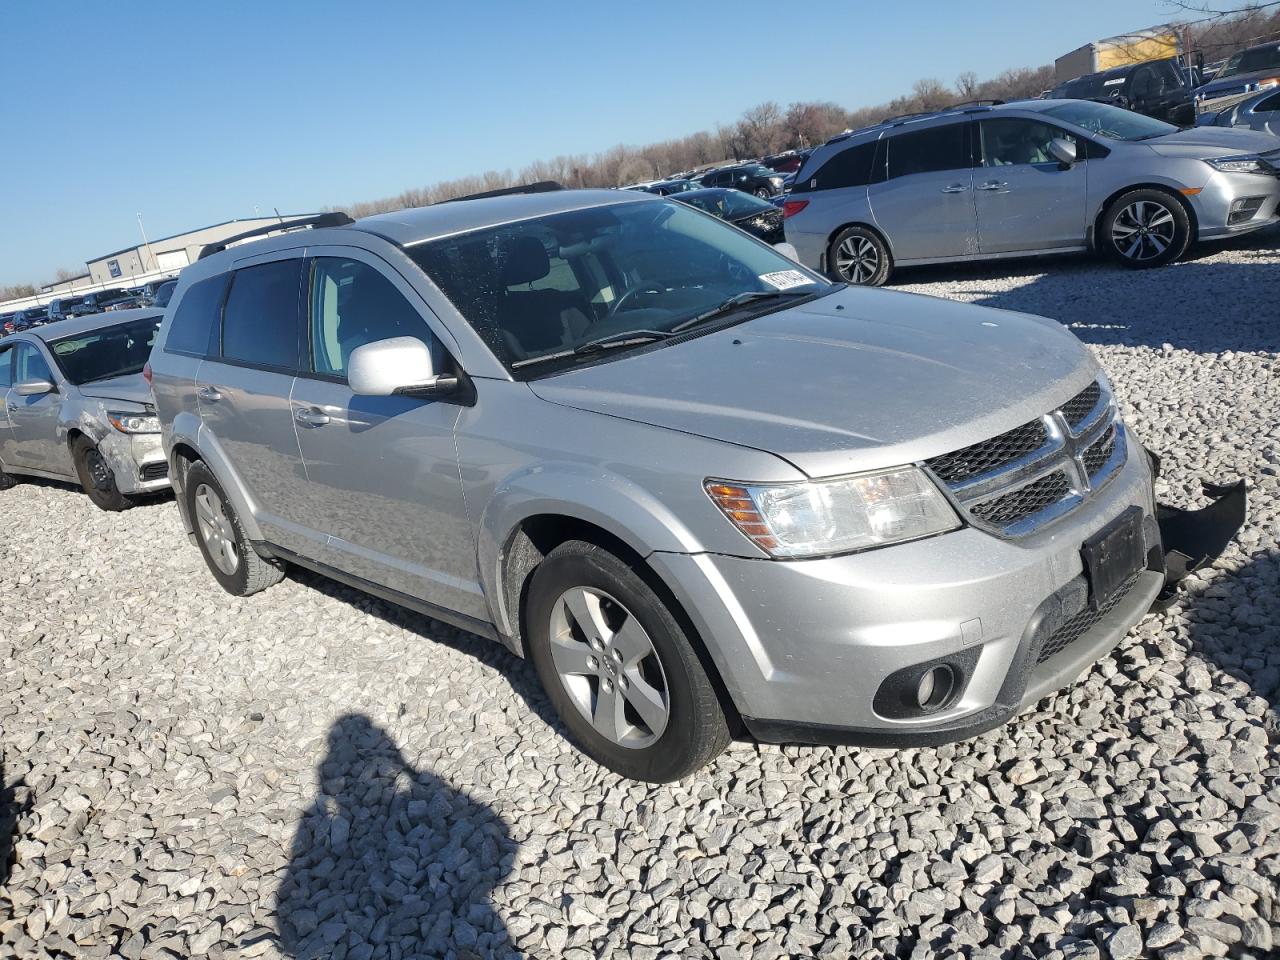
703 489
1026 178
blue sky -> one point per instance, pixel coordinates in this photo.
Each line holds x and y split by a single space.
192 113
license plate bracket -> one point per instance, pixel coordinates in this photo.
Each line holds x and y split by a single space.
1113 555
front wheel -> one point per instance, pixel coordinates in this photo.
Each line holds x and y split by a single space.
858 256
619 669
763 193
96 476
1145 228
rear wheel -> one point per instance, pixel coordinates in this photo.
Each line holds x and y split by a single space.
96 476
1146 228
858 255
230 556
619 669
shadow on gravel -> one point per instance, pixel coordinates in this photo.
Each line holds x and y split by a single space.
519 673
391 861
10 810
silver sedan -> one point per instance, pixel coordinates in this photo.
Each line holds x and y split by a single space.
74 406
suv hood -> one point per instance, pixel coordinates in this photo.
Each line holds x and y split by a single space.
131 387
1213 142
857 380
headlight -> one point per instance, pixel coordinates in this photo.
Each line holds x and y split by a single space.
814 518
1245 164
127 422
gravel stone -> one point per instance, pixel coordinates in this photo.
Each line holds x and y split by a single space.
312 772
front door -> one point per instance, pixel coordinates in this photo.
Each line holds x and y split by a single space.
1025 199
33 421
383 471
925 204
243 393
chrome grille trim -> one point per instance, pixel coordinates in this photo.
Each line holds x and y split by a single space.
1074 441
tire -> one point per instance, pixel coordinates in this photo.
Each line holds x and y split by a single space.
7 481
1145 228
96 477
858 256
682 727
763 193
230 556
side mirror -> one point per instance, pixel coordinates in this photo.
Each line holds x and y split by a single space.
788 250
400 366
1064 151
33 388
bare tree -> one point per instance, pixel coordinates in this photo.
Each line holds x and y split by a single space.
967 85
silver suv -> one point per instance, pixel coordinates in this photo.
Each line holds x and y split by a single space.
1037 177
703 489
74 406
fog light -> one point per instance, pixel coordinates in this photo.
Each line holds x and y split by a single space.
1244 209
925 688
935 687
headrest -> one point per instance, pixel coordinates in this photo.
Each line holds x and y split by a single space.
526 260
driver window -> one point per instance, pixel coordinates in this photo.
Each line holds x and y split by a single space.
353 304
1012 141
29 364
6 366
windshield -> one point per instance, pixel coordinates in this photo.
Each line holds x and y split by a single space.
1249 61
1115 123
727 204
106 352
557 283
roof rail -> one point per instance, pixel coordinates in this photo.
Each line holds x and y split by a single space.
541 186
335 219
976 103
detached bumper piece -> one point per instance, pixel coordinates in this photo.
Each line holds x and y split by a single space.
1195 538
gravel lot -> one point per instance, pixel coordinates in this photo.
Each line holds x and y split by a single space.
313 773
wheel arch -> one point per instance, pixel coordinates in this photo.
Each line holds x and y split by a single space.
1095 229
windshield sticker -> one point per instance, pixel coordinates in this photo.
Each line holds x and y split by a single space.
1112 83
785 278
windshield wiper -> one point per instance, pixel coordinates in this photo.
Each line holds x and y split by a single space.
736 301
625 338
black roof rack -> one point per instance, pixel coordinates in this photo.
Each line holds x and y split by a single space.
542 186
335 219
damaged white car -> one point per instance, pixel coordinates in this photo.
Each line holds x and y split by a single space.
74 406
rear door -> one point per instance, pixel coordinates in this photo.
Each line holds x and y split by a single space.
924 204
243 395
33 421
1025 199
383 471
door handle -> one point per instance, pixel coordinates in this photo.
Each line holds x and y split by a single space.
955 188
997 185
208 394
310 416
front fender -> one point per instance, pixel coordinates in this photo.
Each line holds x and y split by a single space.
186 430
577 491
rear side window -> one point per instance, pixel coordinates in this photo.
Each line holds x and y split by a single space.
848 168
194 329
262 321
927 151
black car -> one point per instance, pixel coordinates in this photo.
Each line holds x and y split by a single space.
163 293
148 291
1157 88
665 188
25 319
1257 68
758 217
748 177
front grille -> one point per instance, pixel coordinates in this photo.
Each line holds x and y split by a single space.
1016 482
1024 501
1082 623
980 458
154 471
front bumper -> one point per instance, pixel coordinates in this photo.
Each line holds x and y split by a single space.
805 647
137 461
1213 205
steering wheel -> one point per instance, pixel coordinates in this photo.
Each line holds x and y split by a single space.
629 294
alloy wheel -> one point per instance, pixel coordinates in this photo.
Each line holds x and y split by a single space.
857 259
1143 230
609 667
216 530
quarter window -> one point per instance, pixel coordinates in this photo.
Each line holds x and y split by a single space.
848 168
194 327
353 304
262 322
927 151
1012 141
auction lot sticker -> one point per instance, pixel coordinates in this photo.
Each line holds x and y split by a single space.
785 278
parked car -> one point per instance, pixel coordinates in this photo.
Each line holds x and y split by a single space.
77 408
699 486
788 162
60 308
1157 88
1257 111
749 178
665 188
1257 68
25 319
760 218
127 301
148 291
163 293
1028 178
